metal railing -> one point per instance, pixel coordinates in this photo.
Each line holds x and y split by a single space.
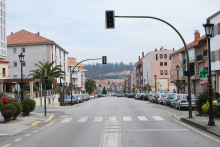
205 52
200 58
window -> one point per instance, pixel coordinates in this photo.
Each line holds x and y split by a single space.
3 72
165 63
165 55
161 72
161 63
23 49
213 56
156 56
24 76
15 63
161 56
165 72
170 72
4 52
219 28
24 64
15 76
170 57
14 50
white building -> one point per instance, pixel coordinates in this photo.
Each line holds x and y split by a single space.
215 50
35 48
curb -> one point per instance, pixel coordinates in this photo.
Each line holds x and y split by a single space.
199 126
41 122
59 106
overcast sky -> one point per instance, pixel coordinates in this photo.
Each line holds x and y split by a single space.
79 25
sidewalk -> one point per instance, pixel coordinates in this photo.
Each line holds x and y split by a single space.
201 122
23 123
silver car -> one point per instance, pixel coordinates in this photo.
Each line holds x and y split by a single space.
174 100
91 96
164 98
183 102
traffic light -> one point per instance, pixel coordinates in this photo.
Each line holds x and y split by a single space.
191 69
104 60
109 19
37 83
46 79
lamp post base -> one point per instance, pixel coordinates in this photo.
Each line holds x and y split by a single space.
211 123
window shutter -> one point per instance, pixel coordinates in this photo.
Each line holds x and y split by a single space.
156 56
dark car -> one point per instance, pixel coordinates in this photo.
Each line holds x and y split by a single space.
6 96
99 95
131 95
119 95
143 96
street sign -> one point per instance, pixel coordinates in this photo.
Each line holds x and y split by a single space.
17 87
203 73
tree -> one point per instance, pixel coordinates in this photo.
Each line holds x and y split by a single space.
147 87
104 91
140 88
90 85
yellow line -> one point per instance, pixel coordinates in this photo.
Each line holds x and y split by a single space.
41 122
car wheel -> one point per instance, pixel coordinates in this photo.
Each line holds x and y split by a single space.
170 105
180 108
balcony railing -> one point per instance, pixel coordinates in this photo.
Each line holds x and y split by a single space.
205 52
200 58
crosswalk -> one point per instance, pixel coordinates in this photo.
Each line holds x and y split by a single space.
114 119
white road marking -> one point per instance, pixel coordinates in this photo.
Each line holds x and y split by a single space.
27 135
49 124
142 118
98 119
18 139
127 118
112 119
36 131
82 119
112 123
143 130
217 140
3 134
7 145
112 127
42 128
111 130
66 120
110 140
157 118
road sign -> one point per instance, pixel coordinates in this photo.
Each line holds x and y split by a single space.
17 87
204 73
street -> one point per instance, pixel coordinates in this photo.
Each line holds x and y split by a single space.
113 122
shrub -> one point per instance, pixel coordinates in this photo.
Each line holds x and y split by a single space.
1 93
201 101
1 104
30 102
19 109
9 107
7 114
12 100
26 109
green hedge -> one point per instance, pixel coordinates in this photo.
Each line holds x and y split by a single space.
26 109
19 109
1 104
30 102
7 114
9 107
201 101
12 100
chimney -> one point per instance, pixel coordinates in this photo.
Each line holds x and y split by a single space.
155 49
11 33
142 54
38 33
197 35
173 49
139 58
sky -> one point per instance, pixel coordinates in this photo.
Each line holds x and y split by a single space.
78 26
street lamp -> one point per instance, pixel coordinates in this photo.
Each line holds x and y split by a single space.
209 31
177 69
144 82
155 76
60 75
21 58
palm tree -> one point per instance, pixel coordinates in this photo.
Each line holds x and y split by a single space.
51 71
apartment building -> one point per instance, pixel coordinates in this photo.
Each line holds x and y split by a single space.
4 67
78 76
215 51
198 55
35 48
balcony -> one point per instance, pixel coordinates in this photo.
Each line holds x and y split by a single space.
200 59
205 53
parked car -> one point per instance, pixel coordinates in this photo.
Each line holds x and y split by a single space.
6 96
160 97
119 95
184 102
172 95
96 95
91 96
143 96
84 96
174 100
68 100
80 98
137 95
131 95
152 97
156 97
165 98
99 95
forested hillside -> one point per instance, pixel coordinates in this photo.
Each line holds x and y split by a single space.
95 69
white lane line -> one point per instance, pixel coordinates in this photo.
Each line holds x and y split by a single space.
217 140
66 120
49 124
110 140
111 130
42 128
98 119
36 131
27 135
127 118
82 119
112 119
112 127
7 145
142 118
18 139
157 118
146 130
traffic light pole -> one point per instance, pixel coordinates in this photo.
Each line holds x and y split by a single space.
186 49
74 79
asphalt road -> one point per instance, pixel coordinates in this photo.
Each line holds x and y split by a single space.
113 122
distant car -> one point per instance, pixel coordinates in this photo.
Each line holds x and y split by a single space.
91 96
6 96
119 95
96 95
131 95
99 95
142 96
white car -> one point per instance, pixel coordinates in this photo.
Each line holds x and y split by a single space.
183 102
164 98
91 96
174 99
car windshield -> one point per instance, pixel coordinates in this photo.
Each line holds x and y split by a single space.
192 96
9 95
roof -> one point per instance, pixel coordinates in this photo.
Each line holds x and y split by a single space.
83 69
102 83
74 63
71 58
4 61
212 16
23 36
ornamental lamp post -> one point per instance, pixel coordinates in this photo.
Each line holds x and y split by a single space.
209 33
21 58
155 76
177 69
